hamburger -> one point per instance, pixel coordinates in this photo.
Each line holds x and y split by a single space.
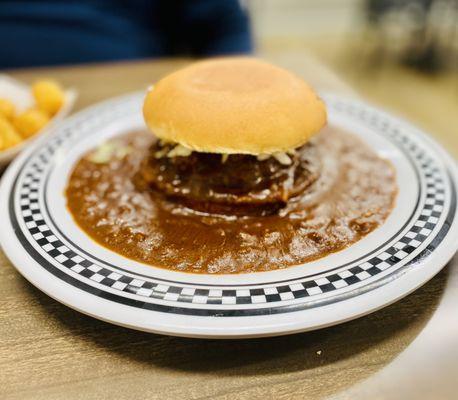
233 136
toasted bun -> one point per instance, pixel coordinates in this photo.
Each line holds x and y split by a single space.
234 105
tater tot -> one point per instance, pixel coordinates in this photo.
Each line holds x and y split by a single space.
7 109
30 122
8 136
49 96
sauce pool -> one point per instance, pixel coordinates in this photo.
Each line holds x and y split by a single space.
353 195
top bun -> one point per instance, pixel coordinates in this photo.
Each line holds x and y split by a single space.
234 105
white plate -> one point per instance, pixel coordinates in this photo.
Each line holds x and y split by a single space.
45 245
20 95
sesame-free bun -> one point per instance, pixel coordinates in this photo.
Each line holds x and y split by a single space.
234 105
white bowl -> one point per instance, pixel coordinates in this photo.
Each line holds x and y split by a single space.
21 96
42 240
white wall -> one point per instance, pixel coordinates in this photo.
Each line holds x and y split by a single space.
277 19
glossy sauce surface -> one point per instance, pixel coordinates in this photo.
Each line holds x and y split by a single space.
352 192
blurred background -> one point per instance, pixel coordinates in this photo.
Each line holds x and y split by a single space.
400 54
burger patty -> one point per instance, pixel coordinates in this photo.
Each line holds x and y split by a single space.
241 184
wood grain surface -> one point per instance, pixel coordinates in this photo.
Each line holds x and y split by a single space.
48 351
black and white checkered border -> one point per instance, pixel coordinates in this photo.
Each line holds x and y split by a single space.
392 257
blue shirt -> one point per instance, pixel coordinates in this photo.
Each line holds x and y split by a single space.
60 32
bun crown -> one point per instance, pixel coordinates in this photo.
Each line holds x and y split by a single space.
234 105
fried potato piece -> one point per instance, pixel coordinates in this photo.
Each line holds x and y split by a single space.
7 109
49 96
30 122
8 135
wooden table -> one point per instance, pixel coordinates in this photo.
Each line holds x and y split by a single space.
48 351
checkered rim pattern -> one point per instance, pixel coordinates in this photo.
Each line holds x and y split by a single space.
391 258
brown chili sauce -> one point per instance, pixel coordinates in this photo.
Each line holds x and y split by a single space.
203 213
